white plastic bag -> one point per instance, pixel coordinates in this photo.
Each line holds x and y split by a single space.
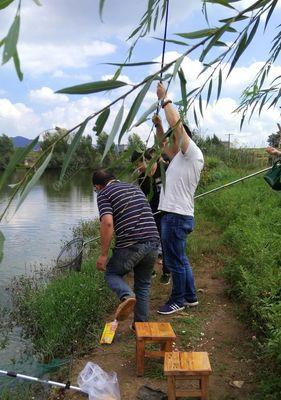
99 384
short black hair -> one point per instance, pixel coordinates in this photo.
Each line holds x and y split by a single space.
186 128
102 177
136 156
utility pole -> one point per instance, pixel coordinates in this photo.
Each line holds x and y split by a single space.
279 133
229 134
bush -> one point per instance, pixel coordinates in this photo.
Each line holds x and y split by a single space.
63 313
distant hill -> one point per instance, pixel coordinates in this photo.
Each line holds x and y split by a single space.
20 141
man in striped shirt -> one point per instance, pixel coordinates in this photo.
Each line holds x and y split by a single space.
124 210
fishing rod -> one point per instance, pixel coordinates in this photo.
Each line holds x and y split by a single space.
232 183
13 374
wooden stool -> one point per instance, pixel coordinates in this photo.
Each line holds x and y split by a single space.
152 332
189 366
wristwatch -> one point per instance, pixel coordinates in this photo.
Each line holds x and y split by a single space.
165 102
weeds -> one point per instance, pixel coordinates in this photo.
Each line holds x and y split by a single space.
248 215
62 313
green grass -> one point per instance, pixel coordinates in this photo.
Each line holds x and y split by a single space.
65 315
245 220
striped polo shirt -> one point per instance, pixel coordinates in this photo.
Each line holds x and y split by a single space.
132 216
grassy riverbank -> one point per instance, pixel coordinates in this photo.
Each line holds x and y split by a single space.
63 312
248 219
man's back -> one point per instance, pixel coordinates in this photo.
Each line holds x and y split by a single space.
132 216
182 178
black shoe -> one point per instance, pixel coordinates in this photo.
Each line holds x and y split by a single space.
192 303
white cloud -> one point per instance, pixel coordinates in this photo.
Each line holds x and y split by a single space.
219 119
18 119
60 74
123 78
39 59
47 96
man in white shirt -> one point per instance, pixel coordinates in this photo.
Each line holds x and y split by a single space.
177 203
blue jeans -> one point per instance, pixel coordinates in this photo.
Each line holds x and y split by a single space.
157 218
138 258
174 231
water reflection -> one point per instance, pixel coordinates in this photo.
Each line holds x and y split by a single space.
35 233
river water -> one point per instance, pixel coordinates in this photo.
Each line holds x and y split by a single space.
34 235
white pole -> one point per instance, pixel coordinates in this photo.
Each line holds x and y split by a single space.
46 382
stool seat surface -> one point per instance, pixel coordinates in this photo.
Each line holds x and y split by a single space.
154 330
187 363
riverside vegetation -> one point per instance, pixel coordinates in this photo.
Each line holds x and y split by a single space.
65 313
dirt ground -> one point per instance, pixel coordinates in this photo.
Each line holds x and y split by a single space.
213 326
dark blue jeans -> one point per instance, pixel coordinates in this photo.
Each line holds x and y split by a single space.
138 258
157 218
174 231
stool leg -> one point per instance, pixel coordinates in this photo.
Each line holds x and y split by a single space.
168 346
171 388
204 381
140 357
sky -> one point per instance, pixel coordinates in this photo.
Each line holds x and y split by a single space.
64 43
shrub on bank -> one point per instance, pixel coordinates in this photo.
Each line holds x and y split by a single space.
65 312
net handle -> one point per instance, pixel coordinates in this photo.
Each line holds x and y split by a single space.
90 240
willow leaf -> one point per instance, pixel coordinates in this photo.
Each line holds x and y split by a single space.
212 43
253 32
177 65
270 13
37 2
134 32
134 109
195 117
242 120
93 87
164 8
209 91
219 84
256 5
149 14
18 157
262 104
192 91
11 40
2 239
117 74
101 5
233 19
275 100
178 42
114 131
133 64
183 89
156 19
198 34
224 3
101 121
220 44
200 105
34 180
71 149
239 51
17 65
144 116
5 3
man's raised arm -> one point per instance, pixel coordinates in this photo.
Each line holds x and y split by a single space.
173 119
